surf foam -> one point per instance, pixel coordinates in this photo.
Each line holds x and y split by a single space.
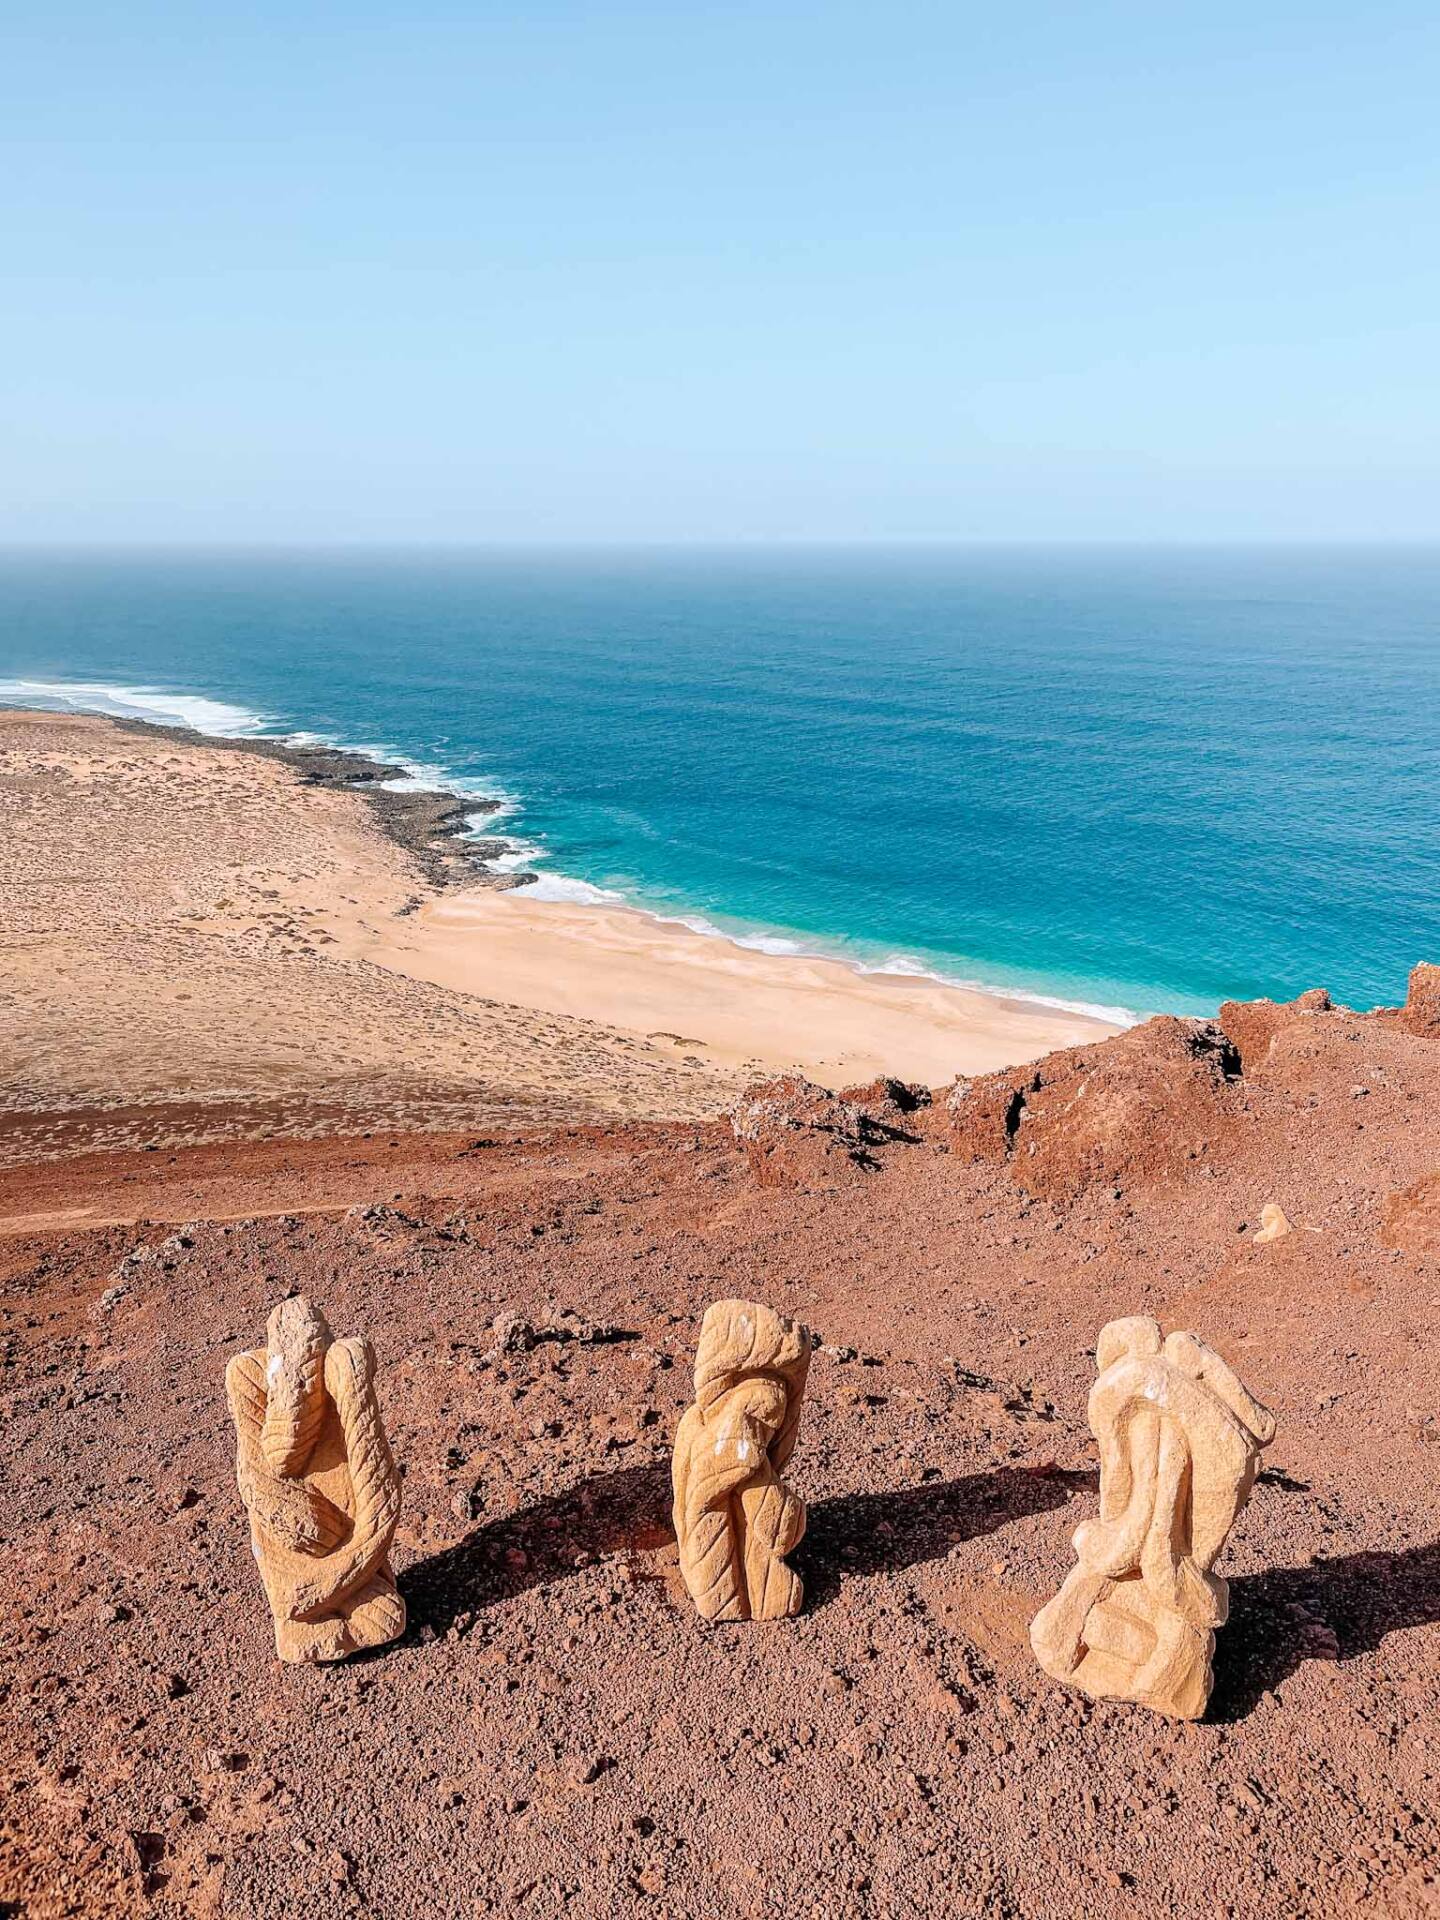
200 713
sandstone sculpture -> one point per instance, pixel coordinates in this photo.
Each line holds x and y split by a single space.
1273 1225
1180 1442
735 1518
320 1486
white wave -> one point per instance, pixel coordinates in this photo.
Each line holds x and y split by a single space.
410 776
758 942
516 858
902 964
778 944
911 969
1096 1009
415 779
216 717
580 893
486 821
220 719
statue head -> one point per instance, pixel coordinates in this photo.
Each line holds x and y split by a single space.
1135 1338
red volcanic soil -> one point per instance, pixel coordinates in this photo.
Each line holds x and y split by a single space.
557 1732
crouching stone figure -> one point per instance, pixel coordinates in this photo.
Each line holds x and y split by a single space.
1180 1442
735 1518
318 1480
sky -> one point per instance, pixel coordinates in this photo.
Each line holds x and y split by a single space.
693 272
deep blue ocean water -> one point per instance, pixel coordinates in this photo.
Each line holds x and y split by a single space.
1144 779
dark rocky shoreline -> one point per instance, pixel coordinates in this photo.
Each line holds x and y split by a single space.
431 827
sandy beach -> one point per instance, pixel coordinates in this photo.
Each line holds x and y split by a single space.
204 938
715 999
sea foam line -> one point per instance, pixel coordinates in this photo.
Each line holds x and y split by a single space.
897 965
223 720
216 717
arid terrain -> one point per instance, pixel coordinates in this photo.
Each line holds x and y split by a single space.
556 1732
180 930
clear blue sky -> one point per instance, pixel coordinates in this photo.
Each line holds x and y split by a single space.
692 271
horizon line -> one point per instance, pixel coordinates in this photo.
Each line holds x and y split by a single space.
727 543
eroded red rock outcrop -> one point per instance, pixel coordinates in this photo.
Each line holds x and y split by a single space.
794 1132
1251 1025
1421 1012
1141 1104
890 1106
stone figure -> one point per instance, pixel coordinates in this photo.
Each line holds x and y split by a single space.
320 1486
1273 1225
735 1518
1180 1442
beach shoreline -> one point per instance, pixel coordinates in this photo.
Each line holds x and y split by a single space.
435 823
259 917
711 997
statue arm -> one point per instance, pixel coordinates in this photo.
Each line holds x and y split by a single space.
722 1458
245 1392
289 1512
1193 1357
1128 1437
349 1380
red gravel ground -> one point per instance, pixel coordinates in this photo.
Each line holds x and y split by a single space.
557 1733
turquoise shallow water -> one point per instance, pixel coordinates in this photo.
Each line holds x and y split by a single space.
1137 779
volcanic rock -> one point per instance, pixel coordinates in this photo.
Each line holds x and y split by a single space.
984 1111
889 1105
794 1132
1251 1025
1139 1104
1421 1012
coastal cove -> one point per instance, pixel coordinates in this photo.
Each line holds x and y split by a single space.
999 768
720 965
212 938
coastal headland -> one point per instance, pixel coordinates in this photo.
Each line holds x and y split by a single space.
255 936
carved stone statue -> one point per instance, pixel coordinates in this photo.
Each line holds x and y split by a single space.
1180 1442
735 1518
320 1486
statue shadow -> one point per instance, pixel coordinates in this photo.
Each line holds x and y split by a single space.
1332 1611
538 1545
629 1510
869 1533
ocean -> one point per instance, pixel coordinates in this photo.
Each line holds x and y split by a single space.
1128 779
